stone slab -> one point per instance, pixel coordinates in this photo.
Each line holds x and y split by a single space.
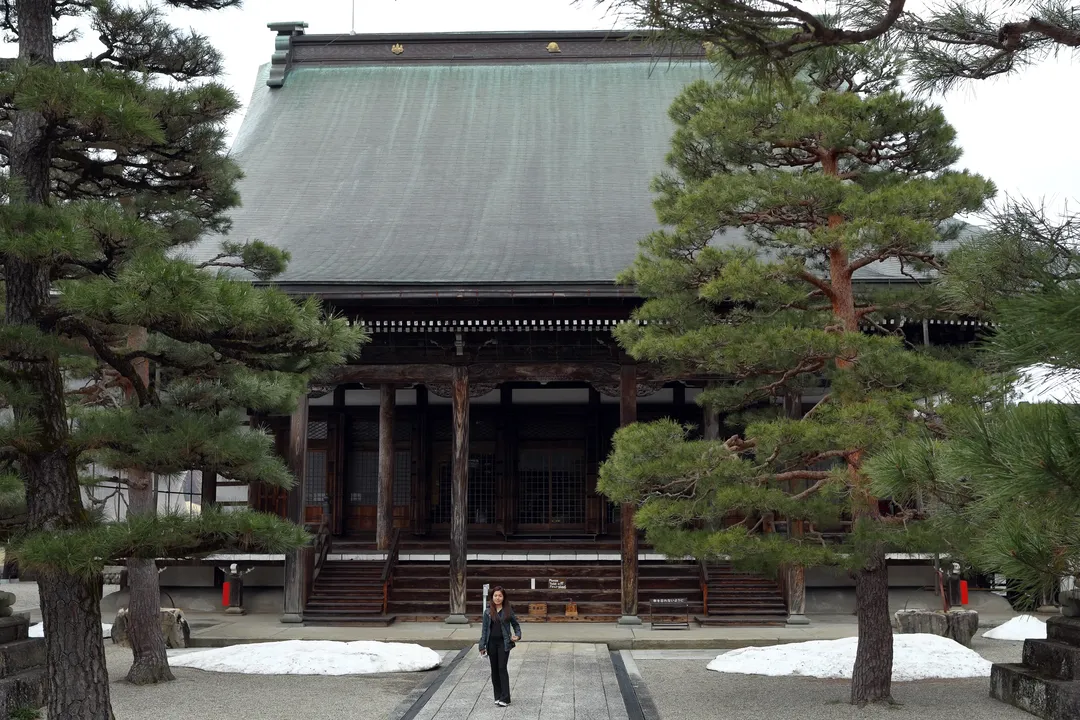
1064 629
1043 697
26 689
1052 658
21 655
14 628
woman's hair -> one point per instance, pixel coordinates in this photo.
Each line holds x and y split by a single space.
491 602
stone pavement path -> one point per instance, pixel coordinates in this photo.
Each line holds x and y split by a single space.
549 681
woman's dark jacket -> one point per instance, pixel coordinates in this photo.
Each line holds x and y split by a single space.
508 619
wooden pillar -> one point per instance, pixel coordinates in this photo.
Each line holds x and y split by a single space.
422 476
711 426
503 461
594 507
627 416
208 488
384 519
459 496
294 559
795 579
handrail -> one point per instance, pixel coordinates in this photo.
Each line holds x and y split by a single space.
323 541
703 578
388 568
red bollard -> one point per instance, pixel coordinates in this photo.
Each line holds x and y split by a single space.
225 594
963 592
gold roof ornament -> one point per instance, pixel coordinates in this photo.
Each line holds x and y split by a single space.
553 47
397 49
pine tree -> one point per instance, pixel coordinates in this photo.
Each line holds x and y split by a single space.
115 348
947 43
778 195
1006 479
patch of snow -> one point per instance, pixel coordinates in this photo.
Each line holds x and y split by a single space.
38 630
915 657
1024 627
312 657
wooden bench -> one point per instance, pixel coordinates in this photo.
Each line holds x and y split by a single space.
672 606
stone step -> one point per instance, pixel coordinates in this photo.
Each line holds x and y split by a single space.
1063 629
1053 658
14 628
1043 696
24 689
21 655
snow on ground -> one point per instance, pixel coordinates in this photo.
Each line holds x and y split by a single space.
915 657
312 657
1023 627
38 630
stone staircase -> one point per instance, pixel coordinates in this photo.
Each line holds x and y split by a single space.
742 599
1047 684
22 666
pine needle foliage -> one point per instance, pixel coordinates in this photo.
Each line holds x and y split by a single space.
158 358
948 42
778 199
1006 481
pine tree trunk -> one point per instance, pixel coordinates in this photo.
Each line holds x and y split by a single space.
144 625
78 680
871 681
151 663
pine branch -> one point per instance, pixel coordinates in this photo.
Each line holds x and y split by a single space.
765 29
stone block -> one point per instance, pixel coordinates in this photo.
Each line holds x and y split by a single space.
26 689
960 624
1043 697
21 655
1064 629
14 628
174 627
7 600
1053 659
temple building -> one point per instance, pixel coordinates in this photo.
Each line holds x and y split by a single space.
470 199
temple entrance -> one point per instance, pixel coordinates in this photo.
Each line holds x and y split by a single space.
551 489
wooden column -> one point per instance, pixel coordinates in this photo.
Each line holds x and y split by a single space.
459 496
423 461
384 519
503 463
422 476
594 506
711 426
795 579
627 416
294 559
208 488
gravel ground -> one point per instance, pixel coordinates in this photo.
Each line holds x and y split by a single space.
685 690
26 595
197 695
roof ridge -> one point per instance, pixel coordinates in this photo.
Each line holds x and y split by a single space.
293 45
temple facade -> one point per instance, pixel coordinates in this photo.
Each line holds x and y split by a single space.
469 199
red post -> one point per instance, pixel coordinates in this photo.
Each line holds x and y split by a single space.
963 592
225 594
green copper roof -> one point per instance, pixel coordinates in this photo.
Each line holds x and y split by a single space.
459 175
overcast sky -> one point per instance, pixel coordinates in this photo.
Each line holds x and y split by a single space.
1019 132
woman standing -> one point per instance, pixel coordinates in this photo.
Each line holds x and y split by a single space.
496 639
